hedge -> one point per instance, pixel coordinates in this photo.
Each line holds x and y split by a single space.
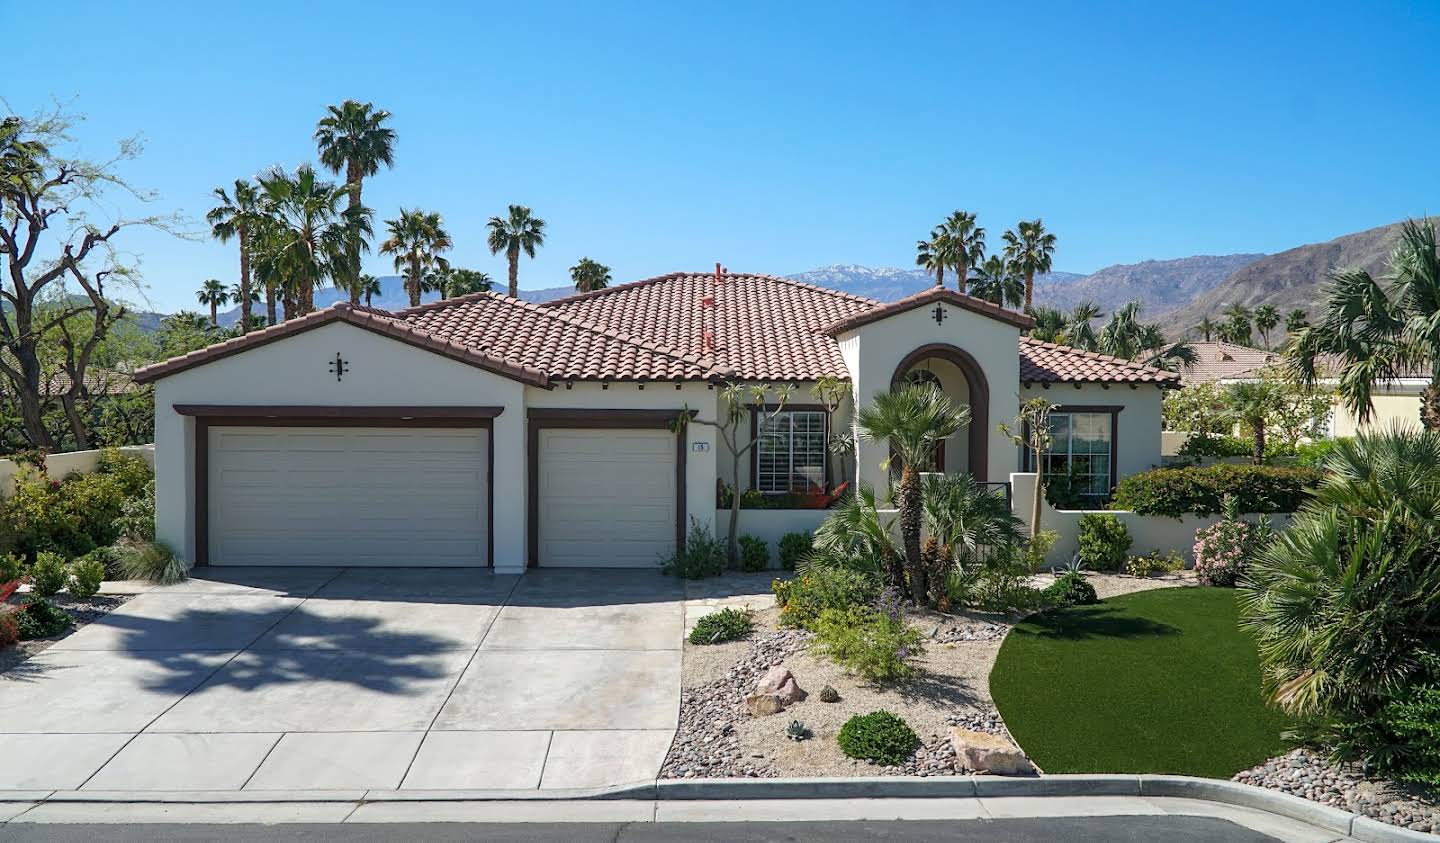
1201 491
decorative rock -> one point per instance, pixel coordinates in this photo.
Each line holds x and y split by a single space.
762 705
983 752
781 682
829 695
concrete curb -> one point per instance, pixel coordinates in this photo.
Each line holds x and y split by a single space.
868 787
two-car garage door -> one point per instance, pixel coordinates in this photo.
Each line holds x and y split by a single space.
394 496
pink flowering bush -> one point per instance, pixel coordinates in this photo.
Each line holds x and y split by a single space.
1221 551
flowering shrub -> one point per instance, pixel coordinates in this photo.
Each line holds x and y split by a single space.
1222 551
804 598
873 643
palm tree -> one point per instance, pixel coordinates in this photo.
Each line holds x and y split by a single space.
996 283
1378 333
519 231
1295 320
265 242
213 293
935 254
416 239
1252 403
1029 248
237 295
369 288
913 420
1266 318
1237 325
1050 325
964 520
1126 336
353 137
238 216
313 238
590 276
1206 328
466 281
967 244
438 279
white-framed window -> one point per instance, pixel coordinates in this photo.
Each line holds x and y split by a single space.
790 454
1081 447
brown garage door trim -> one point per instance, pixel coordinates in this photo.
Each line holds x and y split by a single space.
581 419
218 415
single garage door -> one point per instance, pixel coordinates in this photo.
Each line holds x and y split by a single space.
606 498
348 496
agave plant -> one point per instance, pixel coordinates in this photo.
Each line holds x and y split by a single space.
797 731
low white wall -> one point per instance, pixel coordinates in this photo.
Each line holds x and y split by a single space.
770 525
1148 532
60 466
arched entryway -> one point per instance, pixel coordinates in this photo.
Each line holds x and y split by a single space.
961 378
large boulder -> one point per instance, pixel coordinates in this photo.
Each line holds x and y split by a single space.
761 705
983 752
780 681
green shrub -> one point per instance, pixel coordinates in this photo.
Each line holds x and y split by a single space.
724 625
39 618
1314 454
1154 562
1215 445
754 554
878 736
132 473
803 598
9 627
868 643
95 502
110 558
702 556
1103 542
793 547
12 567
86 576
1071 589
48 574
153 562
1201 491
136 521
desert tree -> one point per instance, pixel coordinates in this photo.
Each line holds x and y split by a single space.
1032 432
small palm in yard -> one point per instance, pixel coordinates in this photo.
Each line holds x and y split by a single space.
913 420
1252 403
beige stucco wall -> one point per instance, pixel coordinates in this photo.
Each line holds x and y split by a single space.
293 371
1137 432
60 466
874 351
1389 410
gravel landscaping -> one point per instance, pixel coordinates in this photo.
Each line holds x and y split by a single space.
83 611
1309 775
718 737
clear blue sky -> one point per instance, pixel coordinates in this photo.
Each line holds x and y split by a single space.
773 137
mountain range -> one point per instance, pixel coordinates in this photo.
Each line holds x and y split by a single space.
1176 293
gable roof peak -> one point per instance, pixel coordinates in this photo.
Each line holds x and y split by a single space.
962 300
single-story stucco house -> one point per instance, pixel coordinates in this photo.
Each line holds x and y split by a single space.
482 430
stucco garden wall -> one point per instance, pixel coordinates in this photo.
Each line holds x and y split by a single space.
770 525
59 466
294 371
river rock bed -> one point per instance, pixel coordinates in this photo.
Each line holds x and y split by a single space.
1309 775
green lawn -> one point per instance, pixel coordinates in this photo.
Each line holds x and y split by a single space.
1161 681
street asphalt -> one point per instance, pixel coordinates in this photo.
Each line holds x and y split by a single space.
1141 829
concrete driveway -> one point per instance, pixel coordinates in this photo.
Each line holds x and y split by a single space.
347 679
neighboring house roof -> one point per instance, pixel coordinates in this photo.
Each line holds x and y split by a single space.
555 342
371 319
98 382
763 328
970 303
1216 361
682 326
1046 362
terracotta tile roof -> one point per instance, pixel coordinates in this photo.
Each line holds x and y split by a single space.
921 299
1220 360
1046 362
765 328
368 318
97 382
556 342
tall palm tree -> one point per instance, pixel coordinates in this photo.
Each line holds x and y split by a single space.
1029 248
1266 318
238 215
1124 335
352 137
438 278
996 283
966 244
1295 320
589 276
1237 325
416 240
518 231
1378 332
313 236
1206 328
935 255
265 254
1252 403
215 294
237 295
466 281
370 288
913 420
